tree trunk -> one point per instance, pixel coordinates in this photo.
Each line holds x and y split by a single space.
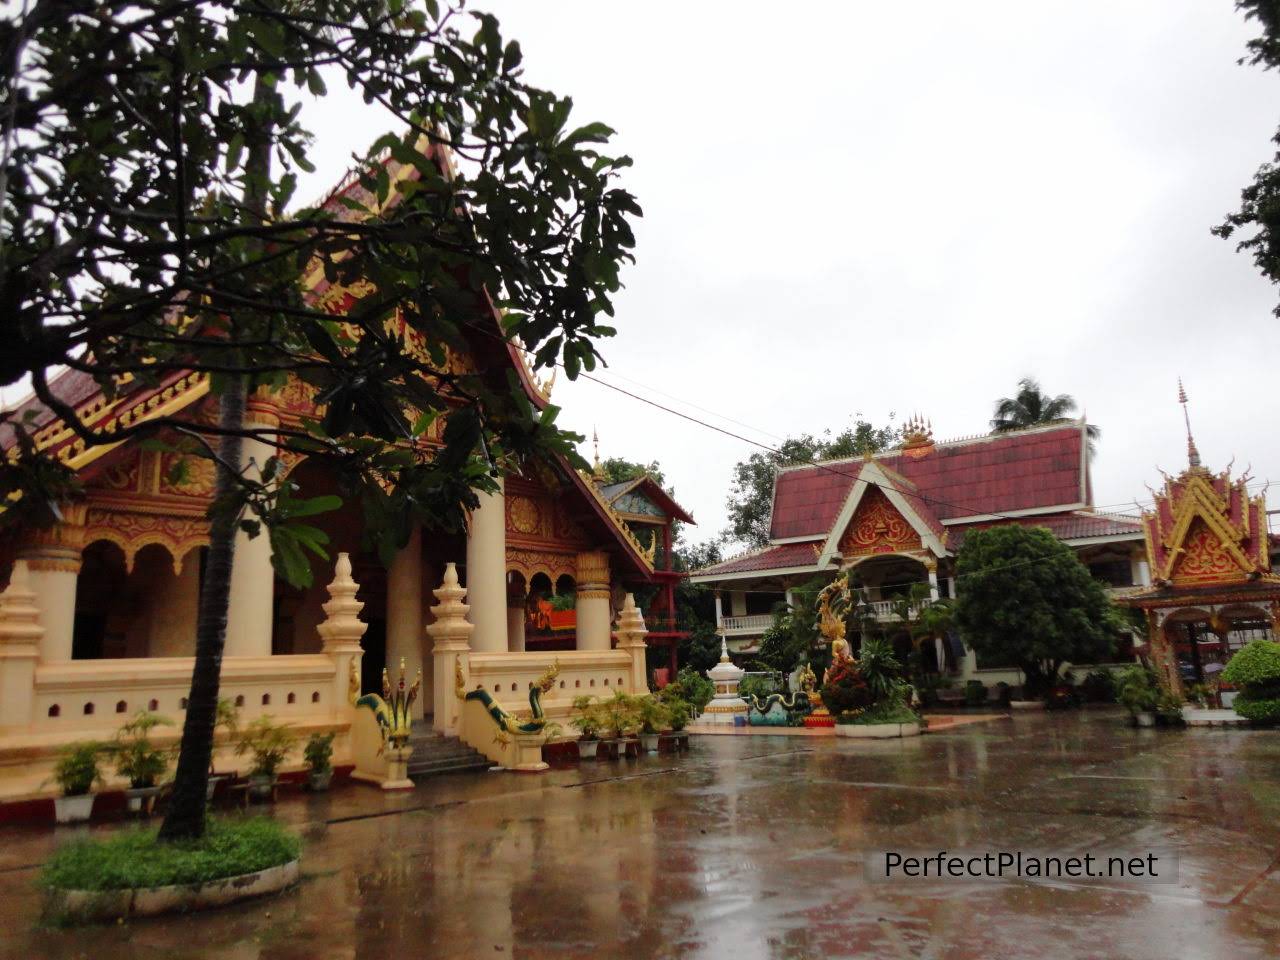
185 817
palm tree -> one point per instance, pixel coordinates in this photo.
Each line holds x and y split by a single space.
1032 407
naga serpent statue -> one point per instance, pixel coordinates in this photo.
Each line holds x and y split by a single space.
798 701
833 607
508 723
392 709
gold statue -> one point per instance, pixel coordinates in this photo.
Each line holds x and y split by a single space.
833 607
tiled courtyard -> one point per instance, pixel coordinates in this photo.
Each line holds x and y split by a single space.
754 847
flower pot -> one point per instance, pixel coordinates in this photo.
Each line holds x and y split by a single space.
587 748
629 747
650 742
142 799
1228 698
261 786
1145 719
73 809
318 780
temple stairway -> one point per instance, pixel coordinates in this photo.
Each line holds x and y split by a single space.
435 753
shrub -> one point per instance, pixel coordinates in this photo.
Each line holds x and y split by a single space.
319 752
651 714
845 689
757 686
680 712
136 758
1258 664
975 693
134 858
887 711
691 687
879 668
1264 710
269 742
1098 686
587 717
77 769
1137 688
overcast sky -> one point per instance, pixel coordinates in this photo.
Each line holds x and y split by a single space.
891 208
874 208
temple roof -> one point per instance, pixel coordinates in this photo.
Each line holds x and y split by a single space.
1039 470
621 496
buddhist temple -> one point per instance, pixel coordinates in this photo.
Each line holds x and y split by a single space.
101 622
1213 587
897 519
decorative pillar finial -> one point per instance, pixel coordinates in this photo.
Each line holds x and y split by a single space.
1193 455
724 648
597 469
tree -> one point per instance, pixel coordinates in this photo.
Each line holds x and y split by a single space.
1032 407
750 500
152 153
1259 211
1025 598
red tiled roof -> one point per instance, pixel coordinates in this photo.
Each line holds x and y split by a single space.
1024 470
782 557
1065 526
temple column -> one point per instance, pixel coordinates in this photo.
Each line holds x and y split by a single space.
1140 573
450 633
932 568
251 608
404 612
20 636
720 609
487 573
631 634
593 614
53 564
516 599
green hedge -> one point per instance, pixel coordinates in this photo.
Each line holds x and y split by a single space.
134 858
1257 664
1262 710
887 711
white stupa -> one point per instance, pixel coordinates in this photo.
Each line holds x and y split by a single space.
726 706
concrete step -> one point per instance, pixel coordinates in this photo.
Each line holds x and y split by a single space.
435 753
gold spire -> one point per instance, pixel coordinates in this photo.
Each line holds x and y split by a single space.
597 470
1193 455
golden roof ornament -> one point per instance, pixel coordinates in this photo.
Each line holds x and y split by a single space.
597 470
1193 455
917 436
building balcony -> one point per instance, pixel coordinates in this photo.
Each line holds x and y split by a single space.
744 626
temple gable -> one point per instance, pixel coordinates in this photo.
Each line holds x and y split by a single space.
878 527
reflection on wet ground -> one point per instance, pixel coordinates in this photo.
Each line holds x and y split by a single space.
755 848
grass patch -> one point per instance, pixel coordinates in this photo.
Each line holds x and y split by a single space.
134 858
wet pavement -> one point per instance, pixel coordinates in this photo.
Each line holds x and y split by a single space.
754 847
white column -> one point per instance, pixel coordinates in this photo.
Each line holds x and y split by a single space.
451 651
20 635
251 609
53 565
404 612
933 582
719 610
595 626
487 573
1141 573
516 599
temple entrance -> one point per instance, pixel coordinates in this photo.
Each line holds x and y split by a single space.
1203 642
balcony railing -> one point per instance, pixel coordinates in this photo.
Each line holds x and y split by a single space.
884 611
736 626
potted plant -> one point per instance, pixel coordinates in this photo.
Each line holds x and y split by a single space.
1138 692
228 718
319 756
588 721
140 761
270 743
75 773
652 716
975 693
620 720
679 713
